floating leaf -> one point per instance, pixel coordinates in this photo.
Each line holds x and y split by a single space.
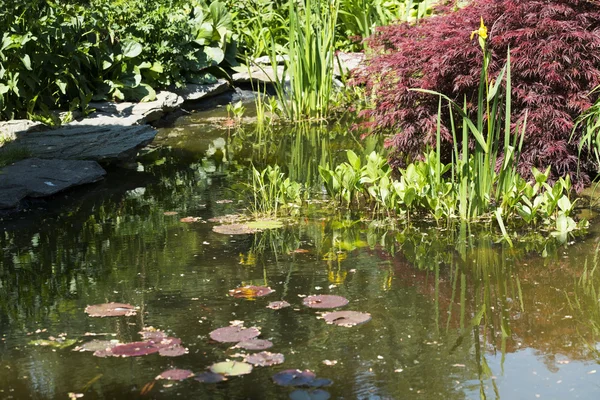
255 344
262 224
56 344
226 219
295 377
189 220
170 213
265 359
96 345
278 305
233 229
325 301
231 368
172 351
210 377
110 310
234 334
250 291
317 394
347 318
134 349
175 374
153 334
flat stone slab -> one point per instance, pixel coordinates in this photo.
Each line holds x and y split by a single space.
264 74
105 143
192 92
36 177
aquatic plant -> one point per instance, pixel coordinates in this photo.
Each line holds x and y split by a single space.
554 67
270 191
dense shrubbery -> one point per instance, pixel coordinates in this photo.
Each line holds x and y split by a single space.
555 64
62 54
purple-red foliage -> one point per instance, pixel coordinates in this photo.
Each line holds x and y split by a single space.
555 61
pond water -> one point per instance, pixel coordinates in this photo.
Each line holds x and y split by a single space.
455 315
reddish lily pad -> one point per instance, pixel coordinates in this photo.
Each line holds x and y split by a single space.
175 374
325 301
278 305
347 318
317 394
210 377
255 344
265 359
234 334
250 291
231 368
189 220
295 377
172 351
134 349
233 229
110 310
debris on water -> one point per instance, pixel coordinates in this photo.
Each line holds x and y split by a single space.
250 291
347 318
325 301
254 344
111 310
265 359
278 305
234 334
330 362
175 374
231 368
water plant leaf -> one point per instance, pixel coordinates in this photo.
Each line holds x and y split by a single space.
210 377
278 305
231 368
347 318
172 351
134 349
255 344
250 291
56 344
234 334
226 219
170 213
263 224
233 229
317 394
96 345
265 359
189 220
111 310
295 377
175 374
325 301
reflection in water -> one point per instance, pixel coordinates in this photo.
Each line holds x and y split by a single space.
455 315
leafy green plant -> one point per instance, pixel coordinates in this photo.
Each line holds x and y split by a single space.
271 192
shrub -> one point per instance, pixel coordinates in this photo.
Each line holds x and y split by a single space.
554 45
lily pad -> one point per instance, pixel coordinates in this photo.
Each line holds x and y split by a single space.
172 351
278 305
255 344
134 349
325 301
317 394
265 359
231 368
295 377
96 345
189 220
175 374
150 333
226 219
170 213
347 318
233 229
234 334
56 344
210 377
110 310
250 291
263 224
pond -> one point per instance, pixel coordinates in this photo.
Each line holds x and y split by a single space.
454 314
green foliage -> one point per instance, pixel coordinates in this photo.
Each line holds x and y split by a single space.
271 192
60 55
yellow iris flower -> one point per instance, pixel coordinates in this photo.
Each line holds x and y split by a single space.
481 32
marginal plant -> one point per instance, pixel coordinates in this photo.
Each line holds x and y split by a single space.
271 192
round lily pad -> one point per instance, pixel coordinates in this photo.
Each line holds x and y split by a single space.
233 229
317 394
96 345
278 305
152 334
175 374
347 318
294 377
231 368
325 301
134 349
255 344
110 310
250 291
210 377
263 224
234 334
189 220
265 359
172 351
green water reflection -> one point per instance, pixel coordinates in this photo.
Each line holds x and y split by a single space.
454 314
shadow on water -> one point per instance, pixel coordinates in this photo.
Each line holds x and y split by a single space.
454 314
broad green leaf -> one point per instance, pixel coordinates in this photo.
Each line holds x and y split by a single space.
215 54
26 62
62 86
131 48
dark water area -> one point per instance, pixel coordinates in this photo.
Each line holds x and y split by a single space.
455 315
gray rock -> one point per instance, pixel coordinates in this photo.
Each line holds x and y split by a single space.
106 143
347 62
264 74
35 177
266 60
192 92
